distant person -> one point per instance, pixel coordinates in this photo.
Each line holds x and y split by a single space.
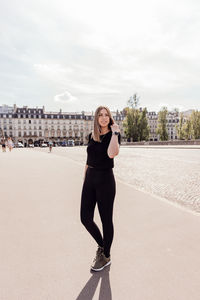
3 144
50 146
99 185
10 144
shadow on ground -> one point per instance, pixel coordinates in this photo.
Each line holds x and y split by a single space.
90 287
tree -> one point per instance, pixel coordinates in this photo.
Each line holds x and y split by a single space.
195 121
162 124
133 101
128 123
135 123
187 129
180 127
143 126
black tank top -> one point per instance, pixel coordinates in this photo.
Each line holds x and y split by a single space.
97 156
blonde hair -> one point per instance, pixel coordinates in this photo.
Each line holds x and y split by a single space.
96 127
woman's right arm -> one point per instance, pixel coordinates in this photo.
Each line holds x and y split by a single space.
86 166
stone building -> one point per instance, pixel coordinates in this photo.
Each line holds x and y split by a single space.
35 125
152 118
172 122
173 118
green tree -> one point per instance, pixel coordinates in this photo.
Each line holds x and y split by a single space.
128 123
187 129
180 127
195 121
135 123
143 126
162 124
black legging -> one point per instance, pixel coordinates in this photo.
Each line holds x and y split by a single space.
99 187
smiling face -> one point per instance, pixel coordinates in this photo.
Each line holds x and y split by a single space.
104 118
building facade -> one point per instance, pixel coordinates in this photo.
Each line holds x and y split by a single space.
173 119
35 125
152 118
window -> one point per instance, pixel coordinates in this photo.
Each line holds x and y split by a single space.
29 121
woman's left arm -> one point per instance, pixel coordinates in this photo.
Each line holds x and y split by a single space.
113 148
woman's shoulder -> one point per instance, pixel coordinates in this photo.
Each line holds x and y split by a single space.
89 137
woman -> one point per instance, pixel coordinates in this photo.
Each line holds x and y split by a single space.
10 144
3 145
99 183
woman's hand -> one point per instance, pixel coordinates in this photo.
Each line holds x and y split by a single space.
115 127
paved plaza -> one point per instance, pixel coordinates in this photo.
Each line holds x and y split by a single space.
168 172
45 252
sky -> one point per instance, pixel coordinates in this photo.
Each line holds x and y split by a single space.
77 55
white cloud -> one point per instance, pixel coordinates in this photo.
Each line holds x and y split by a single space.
100 52
65 97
